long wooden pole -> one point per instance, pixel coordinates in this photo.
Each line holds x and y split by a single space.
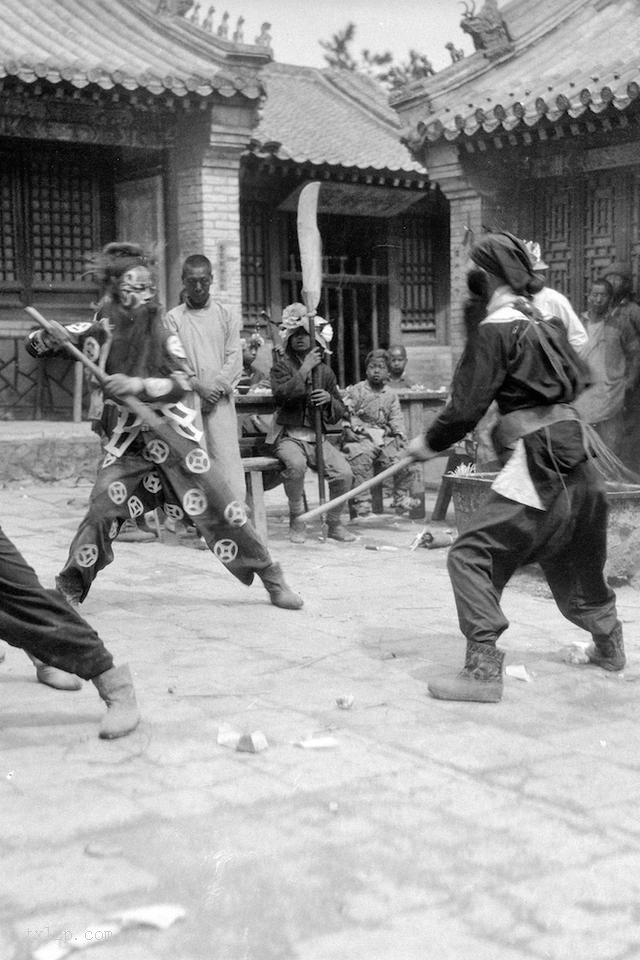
350 494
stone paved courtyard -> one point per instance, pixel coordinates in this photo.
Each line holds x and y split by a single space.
477 832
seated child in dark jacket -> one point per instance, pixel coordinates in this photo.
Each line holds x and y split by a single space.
293 435
376 436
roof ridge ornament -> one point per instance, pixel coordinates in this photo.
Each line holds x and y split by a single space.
487 29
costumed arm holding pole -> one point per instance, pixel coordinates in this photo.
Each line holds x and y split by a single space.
129 400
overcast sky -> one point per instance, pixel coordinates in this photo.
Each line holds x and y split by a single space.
397 25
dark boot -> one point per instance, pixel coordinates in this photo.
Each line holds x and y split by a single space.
53 677
609 650
480 680
297 529
70 588
337 531
281 594
115 687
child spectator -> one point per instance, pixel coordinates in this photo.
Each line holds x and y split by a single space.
397 366
376 436
293 435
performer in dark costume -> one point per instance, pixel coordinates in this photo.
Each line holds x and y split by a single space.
141 471
548 504
54 636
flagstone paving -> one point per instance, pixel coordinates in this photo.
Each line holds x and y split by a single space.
490 832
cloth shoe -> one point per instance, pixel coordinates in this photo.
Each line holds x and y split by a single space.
608 651
337 531
280 593
53 677
115 687
480 680
69 588
297 530
362 508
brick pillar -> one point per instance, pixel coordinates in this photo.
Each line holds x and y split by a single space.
471 209
204 186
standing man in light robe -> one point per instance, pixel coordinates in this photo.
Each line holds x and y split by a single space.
210 337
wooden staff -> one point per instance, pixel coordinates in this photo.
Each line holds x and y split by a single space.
149 416
367 485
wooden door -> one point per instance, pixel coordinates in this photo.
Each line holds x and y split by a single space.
140 219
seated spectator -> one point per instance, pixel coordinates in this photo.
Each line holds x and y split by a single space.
376 435
612 355
251 376
398 380
293 435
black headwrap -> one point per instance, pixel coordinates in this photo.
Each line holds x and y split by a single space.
506 257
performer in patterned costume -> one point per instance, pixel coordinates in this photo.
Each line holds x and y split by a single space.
143 468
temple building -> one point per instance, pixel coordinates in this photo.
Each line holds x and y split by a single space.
537 133
145 120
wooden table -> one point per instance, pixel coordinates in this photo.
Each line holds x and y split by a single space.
419 407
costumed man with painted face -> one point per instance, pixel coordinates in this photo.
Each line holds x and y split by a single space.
140 470
548 504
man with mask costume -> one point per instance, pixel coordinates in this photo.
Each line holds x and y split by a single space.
140 471
548 504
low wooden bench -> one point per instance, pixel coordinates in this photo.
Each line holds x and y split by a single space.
254 467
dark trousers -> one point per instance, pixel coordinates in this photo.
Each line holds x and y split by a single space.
296 455
40 622
569 540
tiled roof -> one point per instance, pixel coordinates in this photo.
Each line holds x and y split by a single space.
330 117
122 43
569 58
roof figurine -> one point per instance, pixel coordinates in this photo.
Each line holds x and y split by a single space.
195 15
456 53
238 34
207 23
264 39
223 28
487 29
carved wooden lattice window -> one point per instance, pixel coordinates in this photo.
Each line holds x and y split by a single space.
600 224
416 277
635 230
254 247
8 265
554 231
62 202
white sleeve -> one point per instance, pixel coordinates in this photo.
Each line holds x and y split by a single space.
554 304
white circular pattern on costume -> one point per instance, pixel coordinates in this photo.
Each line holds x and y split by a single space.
194 502
173 511
225 550
197 461
91 349
136 507
235 514
152 483
113 530
117 492
87 555
157 450
108 460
